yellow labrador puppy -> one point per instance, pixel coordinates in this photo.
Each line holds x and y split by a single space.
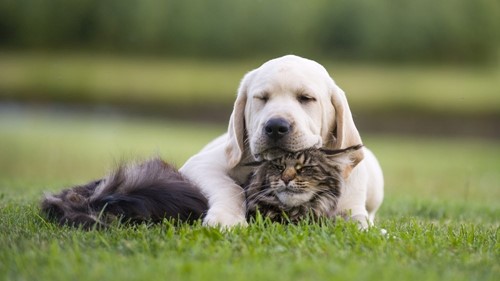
287 104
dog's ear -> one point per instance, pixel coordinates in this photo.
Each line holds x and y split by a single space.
344 132
236 130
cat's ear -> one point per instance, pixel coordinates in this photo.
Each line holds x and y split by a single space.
344 158
236 130
345 134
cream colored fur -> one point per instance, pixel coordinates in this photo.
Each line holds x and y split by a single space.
300 91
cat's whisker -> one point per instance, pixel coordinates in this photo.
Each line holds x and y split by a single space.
259 194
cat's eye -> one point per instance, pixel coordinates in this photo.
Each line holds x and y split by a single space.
279 167
306 168
298 167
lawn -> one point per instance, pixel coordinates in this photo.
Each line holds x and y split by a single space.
441 211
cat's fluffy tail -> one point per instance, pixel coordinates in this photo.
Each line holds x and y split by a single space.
150 191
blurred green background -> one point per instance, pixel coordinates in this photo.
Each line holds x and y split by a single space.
176 58
86 83
449 30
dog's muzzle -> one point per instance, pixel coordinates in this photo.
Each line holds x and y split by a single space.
277 128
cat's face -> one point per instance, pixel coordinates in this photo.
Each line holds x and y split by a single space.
298 184
294 178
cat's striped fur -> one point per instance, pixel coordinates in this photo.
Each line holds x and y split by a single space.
297 185
149 191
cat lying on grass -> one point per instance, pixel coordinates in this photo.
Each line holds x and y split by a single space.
150 191
298 185
287 189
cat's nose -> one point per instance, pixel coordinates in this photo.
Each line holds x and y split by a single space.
286 181
288 175
277 128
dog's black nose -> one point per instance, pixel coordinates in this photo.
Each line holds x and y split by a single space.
277 128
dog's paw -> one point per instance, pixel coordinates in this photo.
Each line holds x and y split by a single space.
363 222
224 218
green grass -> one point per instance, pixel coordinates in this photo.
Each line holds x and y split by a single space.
441 212
86 78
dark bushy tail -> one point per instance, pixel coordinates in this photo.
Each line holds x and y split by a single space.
150 191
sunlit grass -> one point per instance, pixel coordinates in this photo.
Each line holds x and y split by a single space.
83 78
415 249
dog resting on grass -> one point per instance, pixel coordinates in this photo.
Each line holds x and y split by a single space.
287 105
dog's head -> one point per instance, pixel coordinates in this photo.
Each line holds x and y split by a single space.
289 104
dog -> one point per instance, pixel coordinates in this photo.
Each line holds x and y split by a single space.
287 104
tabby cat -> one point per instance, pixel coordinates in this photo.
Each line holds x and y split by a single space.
298 185
285 189
149 191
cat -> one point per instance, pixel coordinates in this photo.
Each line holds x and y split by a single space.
284 189
298 185
150 191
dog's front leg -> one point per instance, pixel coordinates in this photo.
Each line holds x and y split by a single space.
208 170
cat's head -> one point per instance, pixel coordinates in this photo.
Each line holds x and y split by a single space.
297 177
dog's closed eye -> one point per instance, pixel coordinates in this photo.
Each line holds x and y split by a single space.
303 98
262 97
